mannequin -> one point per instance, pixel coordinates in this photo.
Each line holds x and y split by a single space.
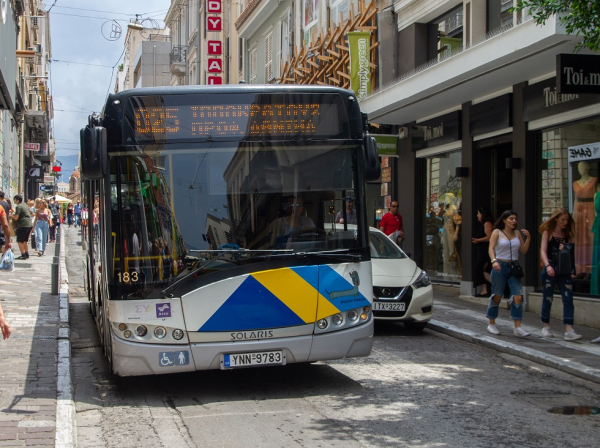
452 222
595 280
583 213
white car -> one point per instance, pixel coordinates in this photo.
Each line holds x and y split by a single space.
401 290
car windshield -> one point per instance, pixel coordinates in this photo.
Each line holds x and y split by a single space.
382 247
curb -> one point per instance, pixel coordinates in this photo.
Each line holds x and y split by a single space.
65 407
573 368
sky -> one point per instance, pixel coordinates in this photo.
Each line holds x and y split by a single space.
81 71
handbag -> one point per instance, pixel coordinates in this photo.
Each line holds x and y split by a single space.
515 268
563 261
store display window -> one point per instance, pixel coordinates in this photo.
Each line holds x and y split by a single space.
443 220
570 178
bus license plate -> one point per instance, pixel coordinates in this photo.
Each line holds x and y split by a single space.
389 306
230 361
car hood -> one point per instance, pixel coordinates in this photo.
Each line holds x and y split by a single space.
397 273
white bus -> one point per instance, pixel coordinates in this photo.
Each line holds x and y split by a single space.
211 241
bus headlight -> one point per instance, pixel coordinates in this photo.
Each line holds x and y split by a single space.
177 334
352 315
141 331
322 324
127 334
337 319
122 327
160 332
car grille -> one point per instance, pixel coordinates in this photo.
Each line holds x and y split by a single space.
389 293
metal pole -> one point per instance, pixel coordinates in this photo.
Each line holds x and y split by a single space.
55 275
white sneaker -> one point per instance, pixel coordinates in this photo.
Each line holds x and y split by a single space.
596 341
493 329
547 333
520 332
572 336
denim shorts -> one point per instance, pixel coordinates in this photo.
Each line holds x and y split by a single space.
500 279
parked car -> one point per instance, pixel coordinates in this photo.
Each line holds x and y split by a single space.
401 290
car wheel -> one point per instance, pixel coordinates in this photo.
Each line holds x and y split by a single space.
415 326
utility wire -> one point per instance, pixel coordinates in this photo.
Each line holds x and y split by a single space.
80 63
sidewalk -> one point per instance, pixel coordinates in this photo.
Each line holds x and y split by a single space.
32 402
465 319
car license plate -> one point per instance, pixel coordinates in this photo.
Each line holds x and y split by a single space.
389 306
233 360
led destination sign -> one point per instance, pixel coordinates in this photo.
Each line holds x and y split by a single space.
184 122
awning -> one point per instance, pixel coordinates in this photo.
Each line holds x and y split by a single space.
59 198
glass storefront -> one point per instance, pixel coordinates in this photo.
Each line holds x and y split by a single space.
443 220
568 177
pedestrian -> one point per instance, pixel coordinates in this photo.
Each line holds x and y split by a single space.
391 224
70 215
557 231
505 243
350 212
77 214
483 265
41 225
4 231
22 217
55 222
4 325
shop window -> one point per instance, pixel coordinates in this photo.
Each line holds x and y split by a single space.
443 220
569 177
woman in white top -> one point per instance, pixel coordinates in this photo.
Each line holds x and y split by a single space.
505 244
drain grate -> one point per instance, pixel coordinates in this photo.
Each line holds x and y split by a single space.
575 410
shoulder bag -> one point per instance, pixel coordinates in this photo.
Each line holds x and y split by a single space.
563 260
515 268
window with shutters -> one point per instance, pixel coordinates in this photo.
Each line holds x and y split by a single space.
283 48
269 57
253 66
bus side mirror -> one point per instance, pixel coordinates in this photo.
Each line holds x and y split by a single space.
372 164
94 160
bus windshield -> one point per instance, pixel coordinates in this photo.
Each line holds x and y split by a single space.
201 208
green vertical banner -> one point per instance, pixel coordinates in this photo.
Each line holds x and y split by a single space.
448 45
360 63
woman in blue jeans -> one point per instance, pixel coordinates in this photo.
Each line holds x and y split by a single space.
41 225
558 230
505 244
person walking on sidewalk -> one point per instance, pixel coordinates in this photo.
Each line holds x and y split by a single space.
481 240
41 224
55 222
557 231
70 215
505 243
4 325
22 216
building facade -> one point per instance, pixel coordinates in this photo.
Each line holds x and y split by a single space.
480 122
26 145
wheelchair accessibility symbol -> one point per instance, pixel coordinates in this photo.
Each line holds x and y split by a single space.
181 358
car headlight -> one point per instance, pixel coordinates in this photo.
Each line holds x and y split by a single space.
422 280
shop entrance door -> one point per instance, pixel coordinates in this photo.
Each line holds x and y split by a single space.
493 181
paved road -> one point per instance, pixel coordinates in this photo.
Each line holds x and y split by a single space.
425 389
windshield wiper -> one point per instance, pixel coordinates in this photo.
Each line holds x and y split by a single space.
221 253
337 254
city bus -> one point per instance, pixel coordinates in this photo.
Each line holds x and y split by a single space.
211 241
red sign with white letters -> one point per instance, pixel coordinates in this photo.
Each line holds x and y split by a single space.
214 23
215 65
214 80
213 6
215 47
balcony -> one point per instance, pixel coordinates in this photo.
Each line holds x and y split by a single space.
178 58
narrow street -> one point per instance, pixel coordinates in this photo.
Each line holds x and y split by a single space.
424 389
